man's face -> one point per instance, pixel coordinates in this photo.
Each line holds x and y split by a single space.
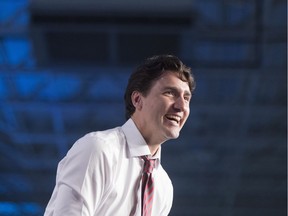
164 109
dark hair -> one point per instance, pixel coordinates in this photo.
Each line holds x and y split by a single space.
150 71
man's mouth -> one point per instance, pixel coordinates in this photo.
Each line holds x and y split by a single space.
174 118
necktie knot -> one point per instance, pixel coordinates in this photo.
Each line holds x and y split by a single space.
149 164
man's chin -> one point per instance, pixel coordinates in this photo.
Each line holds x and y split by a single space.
173 135
171 132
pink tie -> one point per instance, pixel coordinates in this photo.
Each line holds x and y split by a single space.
147 186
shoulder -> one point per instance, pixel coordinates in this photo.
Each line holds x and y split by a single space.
99 145
100 142
92 155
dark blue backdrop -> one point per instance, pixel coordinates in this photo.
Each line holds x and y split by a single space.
64 67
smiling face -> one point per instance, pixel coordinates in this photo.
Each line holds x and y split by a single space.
161 114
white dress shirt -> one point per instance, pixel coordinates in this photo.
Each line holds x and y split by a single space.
101 176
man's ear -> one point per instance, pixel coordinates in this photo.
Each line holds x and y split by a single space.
136 98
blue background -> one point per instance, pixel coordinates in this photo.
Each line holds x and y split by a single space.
64 66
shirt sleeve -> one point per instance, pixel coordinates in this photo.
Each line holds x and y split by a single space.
83 177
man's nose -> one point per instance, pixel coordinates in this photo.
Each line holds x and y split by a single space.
180 104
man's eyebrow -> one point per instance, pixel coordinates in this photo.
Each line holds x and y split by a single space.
170 88
187 93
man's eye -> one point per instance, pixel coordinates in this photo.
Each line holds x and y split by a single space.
169 93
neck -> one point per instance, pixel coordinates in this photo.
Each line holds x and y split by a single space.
148 136
153 149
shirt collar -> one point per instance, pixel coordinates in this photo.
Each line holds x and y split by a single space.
136 143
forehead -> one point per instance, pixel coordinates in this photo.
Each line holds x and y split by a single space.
172 79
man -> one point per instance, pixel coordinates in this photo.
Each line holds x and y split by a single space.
107 173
